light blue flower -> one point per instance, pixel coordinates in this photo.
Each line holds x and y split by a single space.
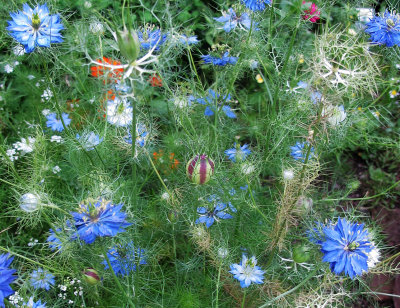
98 220
247 272
183 39
35 27
42 279
125 259
89 140
55 124
256 5
150 38
316 96
6 277
141 135
238 152
384 30
232 192
346 248
299 151
209 216
32 304
231 21
222 61
212 100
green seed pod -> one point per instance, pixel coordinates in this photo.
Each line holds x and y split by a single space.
91 276
128 43
301 253
200 169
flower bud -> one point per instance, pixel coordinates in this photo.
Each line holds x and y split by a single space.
301 253
128 43
91 276
29 202
200 169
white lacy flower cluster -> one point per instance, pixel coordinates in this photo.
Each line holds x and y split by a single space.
20 148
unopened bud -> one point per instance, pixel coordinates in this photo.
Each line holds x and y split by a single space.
91 276
128 43
301 253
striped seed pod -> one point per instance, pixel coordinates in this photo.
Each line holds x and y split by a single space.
91 276
200 169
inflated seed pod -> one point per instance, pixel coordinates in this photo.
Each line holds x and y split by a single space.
91 276
200 169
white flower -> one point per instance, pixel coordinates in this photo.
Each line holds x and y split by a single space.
398 66
119 112
45 112
352 32
25 145
8 68
96 27
56 169
30 77
365 14
373 257
56 138
334 114
87 4
247 168
47 94
288 175
29 202
222 252
16 63
12 154
18 50
165 196
180 102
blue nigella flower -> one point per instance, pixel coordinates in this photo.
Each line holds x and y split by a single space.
245 187
55 244
183 39
89 140
247 272
55 124
299 151
256 5
98 220
32 304
238 152
150 38
315 235
385 30
35 27
141 135
346 247
232 192
231 21
208 217
6 277
125 259
121 86
210 102
315 96
42 279
222 61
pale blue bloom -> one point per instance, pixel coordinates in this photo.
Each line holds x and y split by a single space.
42 279
89 140
256 5
247 272
32 304
55 124
238 152
231 21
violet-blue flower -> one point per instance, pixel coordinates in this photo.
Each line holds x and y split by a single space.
6 277
55 124
99 219
35 27
42 279
384 30
247 272
346 248
32 304
209 216
231 21
89 140
219 61
151 38
256 5
125 259
141 135
299 151
238 152
212 100
189 40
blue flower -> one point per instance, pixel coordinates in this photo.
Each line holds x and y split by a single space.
141 135
256 5
315 235
35 27
299 152
238 152
56 124
224 60
232 21
316 96
245 187
89 140
54 238
384 30
149 39
208 217
124 259
99 219
346 247
42 279
232 192
183 39
210 102
247 272
32 304
6 277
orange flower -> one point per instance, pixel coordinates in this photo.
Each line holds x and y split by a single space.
100 70
155 80
165 165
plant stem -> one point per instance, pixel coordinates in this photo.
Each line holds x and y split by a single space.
115 277
217 288
244 299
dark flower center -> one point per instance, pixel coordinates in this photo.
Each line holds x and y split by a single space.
390 23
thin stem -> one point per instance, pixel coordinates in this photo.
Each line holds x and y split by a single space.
218 281
244 299
254 202
115 277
